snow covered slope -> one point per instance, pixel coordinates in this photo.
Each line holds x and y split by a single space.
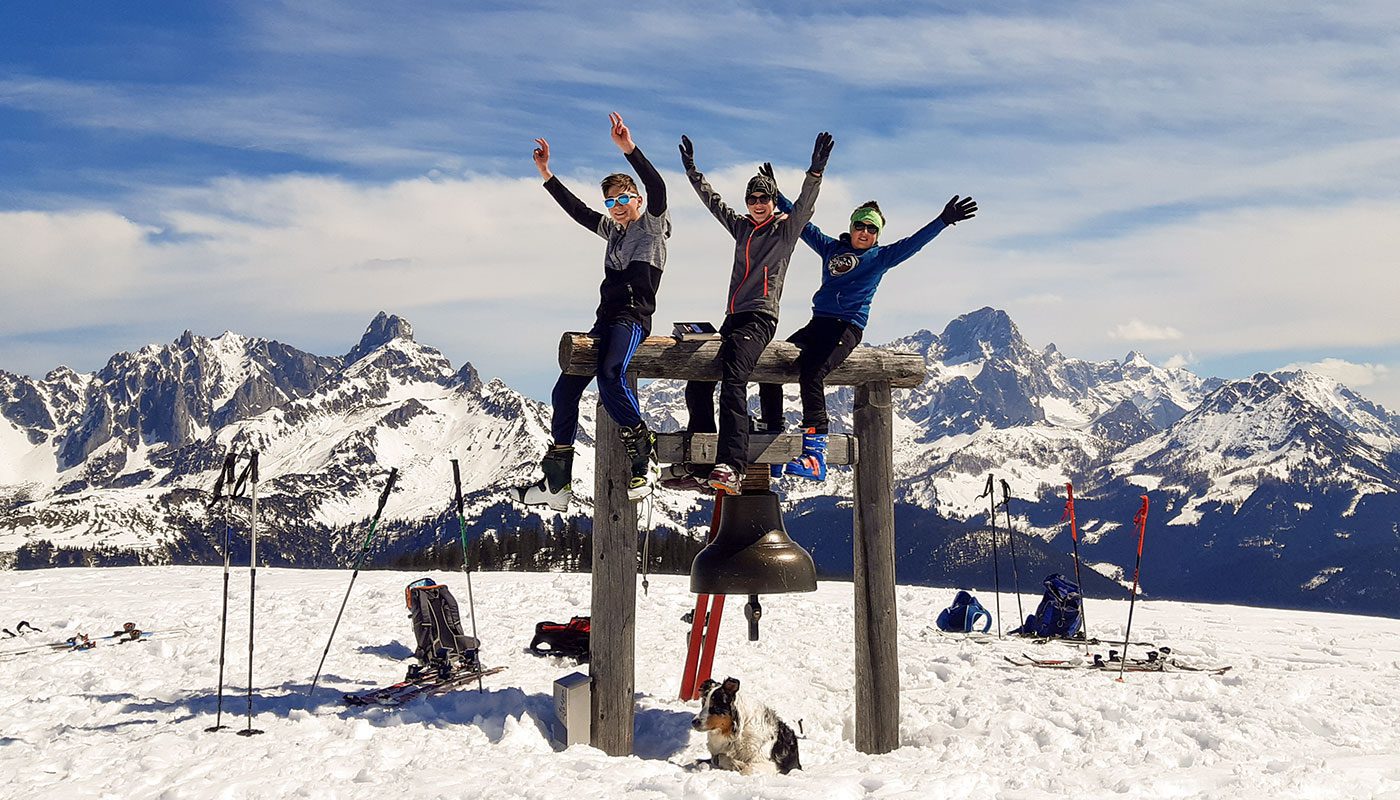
1308 709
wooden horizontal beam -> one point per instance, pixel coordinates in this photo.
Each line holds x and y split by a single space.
665 357
764 448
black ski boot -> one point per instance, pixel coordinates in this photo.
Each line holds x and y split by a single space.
640 445
555 489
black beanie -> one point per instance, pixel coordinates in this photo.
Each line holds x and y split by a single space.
761 184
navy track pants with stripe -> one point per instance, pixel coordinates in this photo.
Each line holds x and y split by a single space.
617 343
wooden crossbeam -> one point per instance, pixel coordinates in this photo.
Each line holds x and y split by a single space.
664 357
764 448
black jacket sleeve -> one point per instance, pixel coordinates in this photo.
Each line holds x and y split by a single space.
651 181
573 206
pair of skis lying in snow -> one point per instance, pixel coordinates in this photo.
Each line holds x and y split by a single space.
984 638
427 684
82 641
1155 662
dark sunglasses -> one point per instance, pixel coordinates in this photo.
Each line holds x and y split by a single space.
623 198
758 199
864 226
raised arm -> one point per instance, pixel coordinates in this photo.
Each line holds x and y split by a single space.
651 179
806 203
726 216
957 210
572 206
811 234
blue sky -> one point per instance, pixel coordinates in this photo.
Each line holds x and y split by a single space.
1212 184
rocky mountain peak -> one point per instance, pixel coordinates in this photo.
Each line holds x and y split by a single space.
978 334
383 329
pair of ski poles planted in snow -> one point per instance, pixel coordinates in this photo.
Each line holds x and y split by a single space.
1139 522
364 549
991 495
236 483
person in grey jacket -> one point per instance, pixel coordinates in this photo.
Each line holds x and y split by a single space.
636 229
763 244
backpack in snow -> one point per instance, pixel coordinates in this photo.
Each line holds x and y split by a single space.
569 639
1058 615
962 616
442 646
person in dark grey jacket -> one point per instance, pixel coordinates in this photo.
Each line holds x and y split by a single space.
763 245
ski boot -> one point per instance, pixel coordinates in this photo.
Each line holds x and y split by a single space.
683 478
555 488
812 463
725 478
640 445
471 661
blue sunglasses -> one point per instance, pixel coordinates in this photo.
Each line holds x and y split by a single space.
623 198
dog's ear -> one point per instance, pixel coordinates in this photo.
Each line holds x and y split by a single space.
731 685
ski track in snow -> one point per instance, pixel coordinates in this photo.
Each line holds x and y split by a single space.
1308 712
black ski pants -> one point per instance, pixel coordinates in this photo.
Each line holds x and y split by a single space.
744 335
825 342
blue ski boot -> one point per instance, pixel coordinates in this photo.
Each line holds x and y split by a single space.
812 463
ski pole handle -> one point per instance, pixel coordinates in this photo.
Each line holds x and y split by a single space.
1069 511
457 482
987 490
243 476
1141 520
1005 493
388 487
224 474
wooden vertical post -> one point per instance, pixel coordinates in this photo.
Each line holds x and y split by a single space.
614 606
876 628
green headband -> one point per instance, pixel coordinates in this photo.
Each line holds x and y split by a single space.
868 215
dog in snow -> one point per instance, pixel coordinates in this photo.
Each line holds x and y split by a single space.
744 735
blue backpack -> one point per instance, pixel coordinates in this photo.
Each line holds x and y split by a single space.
1058 615
963 614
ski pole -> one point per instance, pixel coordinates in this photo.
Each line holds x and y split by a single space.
1140 520
996 563
225 474
364 548
252 582
1011 537
462 532
1074 536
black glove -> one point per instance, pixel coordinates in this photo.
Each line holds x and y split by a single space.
958 210
687 154
821 152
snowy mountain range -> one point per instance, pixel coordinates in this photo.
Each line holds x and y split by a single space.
1281 489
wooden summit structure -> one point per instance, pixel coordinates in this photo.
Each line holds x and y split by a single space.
873 373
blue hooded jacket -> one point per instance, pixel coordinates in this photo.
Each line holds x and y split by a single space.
850 276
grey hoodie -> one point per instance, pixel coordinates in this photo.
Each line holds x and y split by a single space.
761 252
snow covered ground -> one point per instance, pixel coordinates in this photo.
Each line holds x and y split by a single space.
1309 710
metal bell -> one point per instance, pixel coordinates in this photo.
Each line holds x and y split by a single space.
751 553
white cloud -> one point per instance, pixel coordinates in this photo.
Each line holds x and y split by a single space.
1347 372
1136 330
1179 361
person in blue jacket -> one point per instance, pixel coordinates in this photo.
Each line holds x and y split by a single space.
852 267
